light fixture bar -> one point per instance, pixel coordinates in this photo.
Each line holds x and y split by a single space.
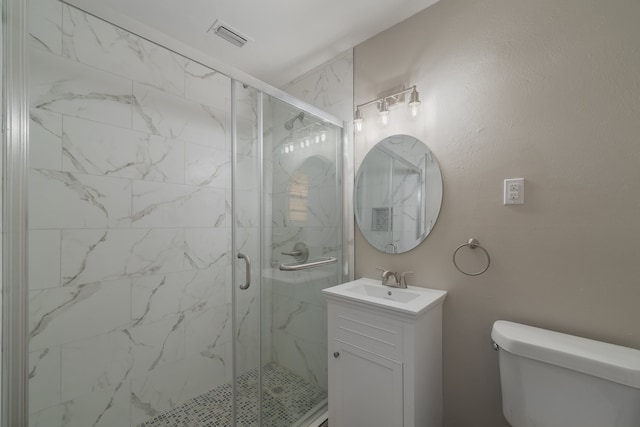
395 97
384 102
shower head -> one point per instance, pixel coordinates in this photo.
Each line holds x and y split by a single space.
288 125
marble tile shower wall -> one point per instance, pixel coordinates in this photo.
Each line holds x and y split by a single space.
130 224
328 86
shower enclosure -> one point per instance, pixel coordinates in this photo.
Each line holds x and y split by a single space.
169 206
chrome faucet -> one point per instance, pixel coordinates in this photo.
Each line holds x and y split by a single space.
393 280
390 278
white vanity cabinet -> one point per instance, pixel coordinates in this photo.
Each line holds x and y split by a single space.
385 356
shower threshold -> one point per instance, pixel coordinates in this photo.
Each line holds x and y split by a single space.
286 399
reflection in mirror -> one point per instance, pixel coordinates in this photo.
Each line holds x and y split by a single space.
398 194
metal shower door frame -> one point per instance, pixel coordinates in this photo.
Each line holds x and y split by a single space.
15 146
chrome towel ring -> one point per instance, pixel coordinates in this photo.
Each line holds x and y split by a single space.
472 244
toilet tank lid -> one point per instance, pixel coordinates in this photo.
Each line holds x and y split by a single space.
612 362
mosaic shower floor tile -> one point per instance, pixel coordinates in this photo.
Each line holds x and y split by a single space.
286 398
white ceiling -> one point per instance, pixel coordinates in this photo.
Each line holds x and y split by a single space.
289 37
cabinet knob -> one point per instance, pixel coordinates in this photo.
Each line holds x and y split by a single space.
336 354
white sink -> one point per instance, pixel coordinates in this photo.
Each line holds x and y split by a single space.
413 300
398 295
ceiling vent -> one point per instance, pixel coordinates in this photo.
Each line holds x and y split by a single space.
229 33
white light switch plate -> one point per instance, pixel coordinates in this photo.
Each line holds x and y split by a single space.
514 191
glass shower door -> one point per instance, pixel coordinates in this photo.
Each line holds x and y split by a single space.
246 235
287 219
303 255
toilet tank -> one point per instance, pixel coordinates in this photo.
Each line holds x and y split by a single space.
550 379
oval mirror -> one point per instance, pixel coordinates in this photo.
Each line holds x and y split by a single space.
398 194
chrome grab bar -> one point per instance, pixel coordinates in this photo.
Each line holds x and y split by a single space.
247 262
312 264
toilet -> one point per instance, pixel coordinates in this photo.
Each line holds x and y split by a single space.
550 379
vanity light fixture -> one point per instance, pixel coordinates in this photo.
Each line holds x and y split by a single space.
357 121
385 102
383 112
414 103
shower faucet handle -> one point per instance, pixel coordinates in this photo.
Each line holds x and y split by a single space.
300 252
294 253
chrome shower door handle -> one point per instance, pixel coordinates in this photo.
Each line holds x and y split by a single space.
247 263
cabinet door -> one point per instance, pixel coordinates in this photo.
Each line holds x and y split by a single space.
365 389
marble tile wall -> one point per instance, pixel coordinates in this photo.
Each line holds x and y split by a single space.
329 86
130 226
